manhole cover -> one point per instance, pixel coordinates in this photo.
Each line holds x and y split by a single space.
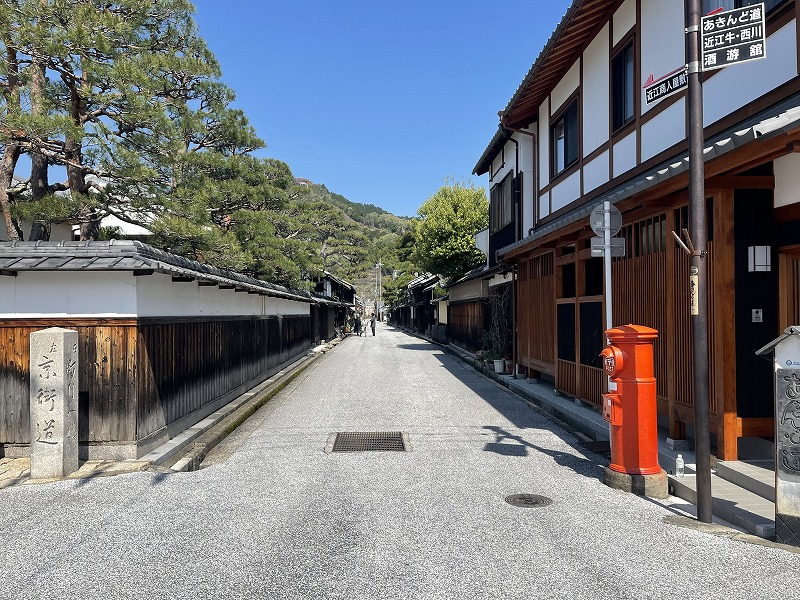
528 500
369 441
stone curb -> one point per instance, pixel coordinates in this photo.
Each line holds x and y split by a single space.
203 444
189 454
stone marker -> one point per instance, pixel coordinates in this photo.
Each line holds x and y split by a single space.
54 403
786 364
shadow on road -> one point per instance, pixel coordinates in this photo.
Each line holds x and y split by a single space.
519 413
519 447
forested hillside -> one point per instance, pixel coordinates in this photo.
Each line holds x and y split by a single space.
381 234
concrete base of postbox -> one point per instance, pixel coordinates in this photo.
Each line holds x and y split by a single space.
652 486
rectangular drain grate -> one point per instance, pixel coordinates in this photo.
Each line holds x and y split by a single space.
370 441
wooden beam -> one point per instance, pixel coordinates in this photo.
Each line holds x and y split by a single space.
6 273
741 182
142 272
178 279
755 427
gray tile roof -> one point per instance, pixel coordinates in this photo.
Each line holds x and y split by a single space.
125 255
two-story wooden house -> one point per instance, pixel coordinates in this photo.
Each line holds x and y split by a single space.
579 131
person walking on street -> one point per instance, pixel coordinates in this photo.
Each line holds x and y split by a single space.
372 324
358 325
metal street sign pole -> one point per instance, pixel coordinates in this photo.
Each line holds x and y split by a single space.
607 264
699 262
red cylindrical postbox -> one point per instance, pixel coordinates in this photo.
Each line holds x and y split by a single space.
630 406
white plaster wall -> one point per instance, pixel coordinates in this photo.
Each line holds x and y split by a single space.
595 93
209 300
508 167
625 154
528 204
662 41
735 86
787 180
625 18
482 241
442 312
568 84
468 290
500 279
158 296
186 297
526 167
34 294
567 191
544 205
544 144
153 294
284 306
595 173
496 166
664 130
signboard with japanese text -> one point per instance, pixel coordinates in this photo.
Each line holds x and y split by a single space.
671 83
733 36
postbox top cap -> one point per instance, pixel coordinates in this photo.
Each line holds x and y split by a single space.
631 333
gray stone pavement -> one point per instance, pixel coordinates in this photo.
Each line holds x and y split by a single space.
273 516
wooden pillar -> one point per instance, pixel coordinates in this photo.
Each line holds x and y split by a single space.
723 327
677 429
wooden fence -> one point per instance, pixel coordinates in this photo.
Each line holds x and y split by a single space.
138 379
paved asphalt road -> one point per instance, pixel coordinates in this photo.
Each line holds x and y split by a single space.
271 515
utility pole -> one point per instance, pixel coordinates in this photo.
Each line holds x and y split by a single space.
378 288
698 272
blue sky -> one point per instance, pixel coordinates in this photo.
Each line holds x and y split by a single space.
380 101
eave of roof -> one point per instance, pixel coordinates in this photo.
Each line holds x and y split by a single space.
577 26
485 161
127 255
341 282
575 30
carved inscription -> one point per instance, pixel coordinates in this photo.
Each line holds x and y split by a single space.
787 387
48 395
54 402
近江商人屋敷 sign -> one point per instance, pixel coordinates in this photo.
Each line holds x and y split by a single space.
671 83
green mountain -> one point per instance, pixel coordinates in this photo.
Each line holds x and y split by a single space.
367 214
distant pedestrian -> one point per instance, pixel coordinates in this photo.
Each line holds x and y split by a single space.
358 325
372 324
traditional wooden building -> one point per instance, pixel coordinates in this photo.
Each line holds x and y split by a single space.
579 131
164 341
336 300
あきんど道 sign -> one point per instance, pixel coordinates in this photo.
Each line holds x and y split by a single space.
733 36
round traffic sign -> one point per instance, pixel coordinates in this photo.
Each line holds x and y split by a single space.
598 219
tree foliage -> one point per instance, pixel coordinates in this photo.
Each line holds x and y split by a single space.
124 103
444 237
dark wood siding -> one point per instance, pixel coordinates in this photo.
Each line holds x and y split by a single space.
107 394
138 377
466 324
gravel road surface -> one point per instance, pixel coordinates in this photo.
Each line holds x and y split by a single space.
272 515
